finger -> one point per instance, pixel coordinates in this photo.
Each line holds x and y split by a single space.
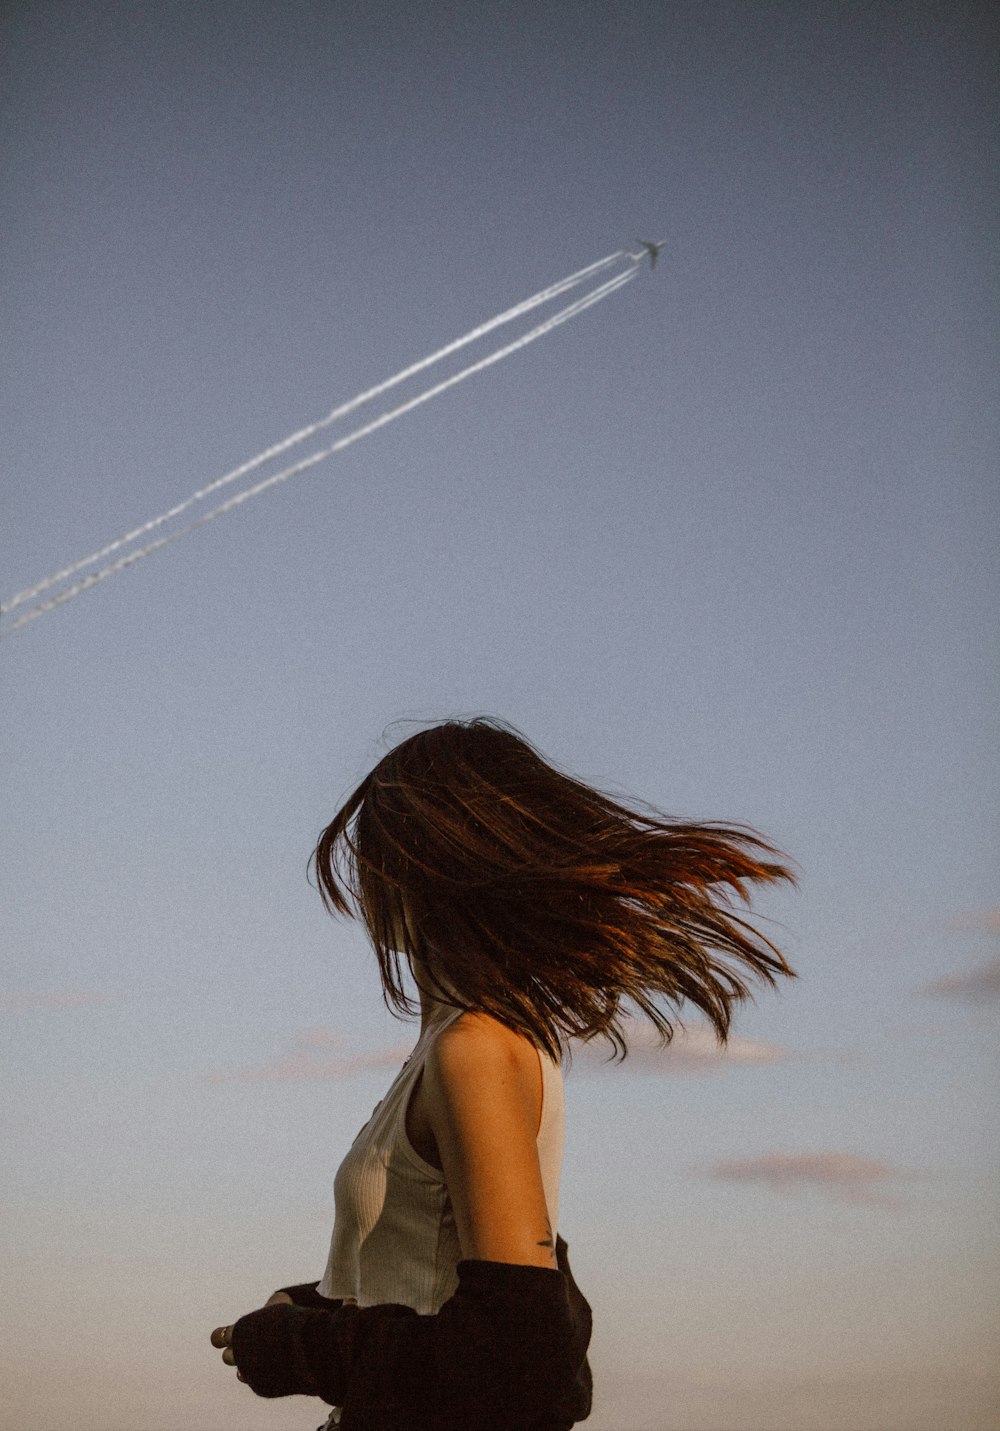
221 1336
228 1358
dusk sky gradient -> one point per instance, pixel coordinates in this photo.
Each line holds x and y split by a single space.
727 542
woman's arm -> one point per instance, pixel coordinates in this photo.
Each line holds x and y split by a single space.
482 1094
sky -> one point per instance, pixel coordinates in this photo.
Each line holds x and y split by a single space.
726 543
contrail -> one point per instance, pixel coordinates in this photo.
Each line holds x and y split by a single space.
604 290
545 295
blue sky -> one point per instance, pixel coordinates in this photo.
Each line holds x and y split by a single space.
726 542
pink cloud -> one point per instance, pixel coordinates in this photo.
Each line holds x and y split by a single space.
320 1038
56 999
691 1050
846 1177
987 921
694 1050
309 1061
980 985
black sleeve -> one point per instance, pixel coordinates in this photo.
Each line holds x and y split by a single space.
508 1348
305 1294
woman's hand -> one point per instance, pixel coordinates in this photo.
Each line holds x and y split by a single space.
223 1336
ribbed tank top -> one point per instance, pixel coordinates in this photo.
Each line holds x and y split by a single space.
394 1236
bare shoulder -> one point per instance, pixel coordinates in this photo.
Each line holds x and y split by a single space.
477 1050
478 1034
482 1073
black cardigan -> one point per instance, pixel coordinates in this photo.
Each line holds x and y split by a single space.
506 1352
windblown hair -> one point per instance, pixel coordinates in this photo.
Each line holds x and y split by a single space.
528 895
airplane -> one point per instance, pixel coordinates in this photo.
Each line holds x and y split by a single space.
652 249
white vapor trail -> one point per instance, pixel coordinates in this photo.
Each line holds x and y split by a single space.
604 290
545 295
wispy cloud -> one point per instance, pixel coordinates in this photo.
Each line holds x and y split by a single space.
845 1177
311 1060
319 1054
986 921
979 985
691 1050
53 999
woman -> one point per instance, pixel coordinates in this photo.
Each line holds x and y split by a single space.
528 907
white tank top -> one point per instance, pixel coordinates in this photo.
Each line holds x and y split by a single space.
394 1236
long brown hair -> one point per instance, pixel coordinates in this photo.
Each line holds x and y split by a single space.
536 898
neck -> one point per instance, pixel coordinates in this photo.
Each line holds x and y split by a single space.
432 1007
